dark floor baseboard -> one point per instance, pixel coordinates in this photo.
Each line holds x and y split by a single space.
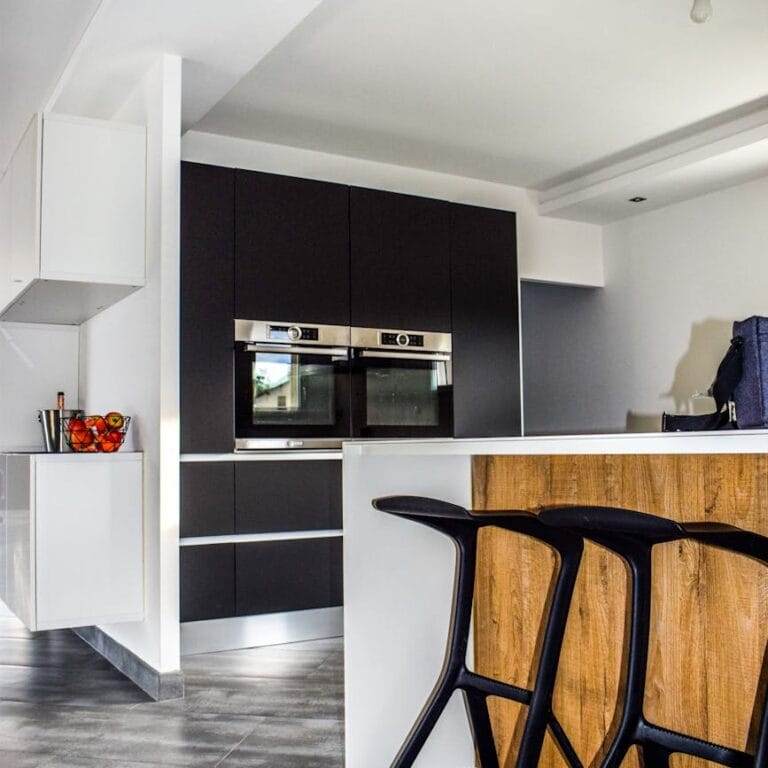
160 686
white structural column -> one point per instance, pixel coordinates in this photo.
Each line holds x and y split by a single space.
129 362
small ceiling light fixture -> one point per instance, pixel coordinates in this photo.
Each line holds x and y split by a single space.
637 199
701 11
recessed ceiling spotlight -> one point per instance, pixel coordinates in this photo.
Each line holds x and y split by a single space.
701 11
637 199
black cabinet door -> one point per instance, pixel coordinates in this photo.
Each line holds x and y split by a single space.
291 249
207 575
207 308
207 498
287 496
400 261
486 340
288 575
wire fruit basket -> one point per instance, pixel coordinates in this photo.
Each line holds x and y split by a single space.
96 434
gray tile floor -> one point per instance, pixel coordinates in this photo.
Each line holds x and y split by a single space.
63 706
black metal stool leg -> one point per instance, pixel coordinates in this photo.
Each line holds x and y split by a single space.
424 726
480 722
655 756
638 557
540 708
465 539
564 744
761 751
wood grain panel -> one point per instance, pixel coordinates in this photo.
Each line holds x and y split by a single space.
709 607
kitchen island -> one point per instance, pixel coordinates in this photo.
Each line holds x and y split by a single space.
711 622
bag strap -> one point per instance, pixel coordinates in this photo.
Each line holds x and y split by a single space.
672 423
728 376
729 373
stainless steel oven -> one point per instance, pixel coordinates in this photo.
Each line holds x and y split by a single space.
401 383
291 385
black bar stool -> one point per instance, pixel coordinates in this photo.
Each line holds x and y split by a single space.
463 526
632 535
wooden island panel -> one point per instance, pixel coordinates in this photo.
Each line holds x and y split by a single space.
709 607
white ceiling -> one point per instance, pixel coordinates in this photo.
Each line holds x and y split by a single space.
218 41
37 38
587 102
527 93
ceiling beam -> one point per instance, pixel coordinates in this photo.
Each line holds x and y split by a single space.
647 168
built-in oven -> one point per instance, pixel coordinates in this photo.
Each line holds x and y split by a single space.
291 385
401 383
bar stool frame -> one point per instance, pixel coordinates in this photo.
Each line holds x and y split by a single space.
463 526
632 535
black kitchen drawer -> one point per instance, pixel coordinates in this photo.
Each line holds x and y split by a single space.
287 496
207 498
288 575
207 582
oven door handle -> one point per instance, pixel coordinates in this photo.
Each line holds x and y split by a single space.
428 356
287 350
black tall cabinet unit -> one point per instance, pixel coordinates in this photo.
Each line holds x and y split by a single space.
257 246
207 308
486 329
261 247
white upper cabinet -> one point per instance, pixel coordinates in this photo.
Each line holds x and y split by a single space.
72 207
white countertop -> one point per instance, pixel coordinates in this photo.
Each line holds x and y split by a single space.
728 441
75 456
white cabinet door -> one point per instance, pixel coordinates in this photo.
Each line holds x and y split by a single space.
93 201
88 540
19 545
74 539
72 230
24 261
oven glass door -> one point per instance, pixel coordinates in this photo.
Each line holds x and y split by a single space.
401 395
291 392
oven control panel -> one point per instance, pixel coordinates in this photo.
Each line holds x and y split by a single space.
293 333
402 339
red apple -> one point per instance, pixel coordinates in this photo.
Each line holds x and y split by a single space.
80 436
110 441
76 425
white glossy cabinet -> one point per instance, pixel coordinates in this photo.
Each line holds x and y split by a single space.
72 214
71 538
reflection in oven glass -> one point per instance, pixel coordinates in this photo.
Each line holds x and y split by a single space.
406 396
287 390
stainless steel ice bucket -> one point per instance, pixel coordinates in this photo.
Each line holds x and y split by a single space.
53 439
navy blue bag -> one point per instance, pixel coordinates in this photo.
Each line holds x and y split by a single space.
751 393
740 388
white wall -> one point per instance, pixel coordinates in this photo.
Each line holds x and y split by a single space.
36 362
549 250
129 362
676 279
